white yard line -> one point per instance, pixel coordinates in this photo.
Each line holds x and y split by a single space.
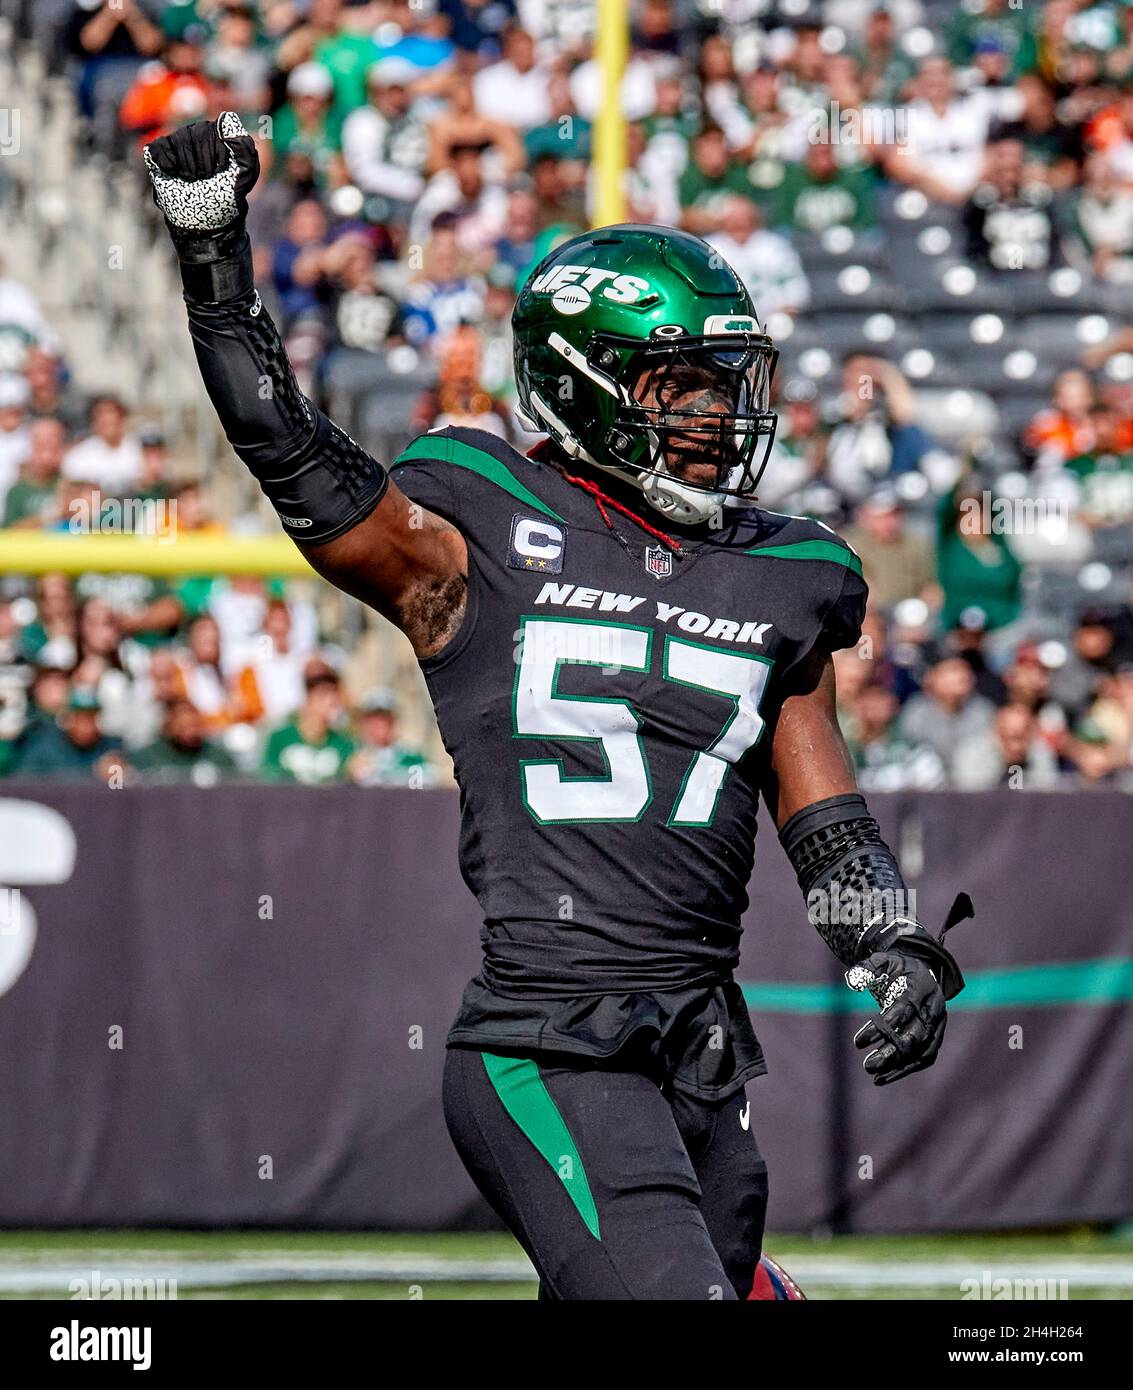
51 1275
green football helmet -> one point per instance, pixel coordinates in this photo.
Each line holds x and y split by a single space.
637 349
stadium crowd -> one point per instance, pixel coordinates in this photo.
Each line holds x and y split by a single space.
931 203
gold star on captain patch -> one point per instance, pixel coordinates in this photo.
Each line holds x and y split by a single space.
528 562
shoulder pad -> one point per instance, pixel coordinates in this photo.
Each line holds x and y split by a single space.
485 455
801 538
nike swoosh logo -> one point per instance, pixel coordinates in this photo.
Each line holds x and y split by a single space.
745 1116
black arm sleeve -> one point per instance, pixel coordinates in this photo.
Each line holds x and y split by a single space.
316 477
855 893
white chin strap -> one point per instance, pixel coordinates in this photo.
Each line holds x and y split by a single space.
688 505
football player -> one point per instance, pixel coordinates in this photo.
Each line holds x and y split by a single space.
623 652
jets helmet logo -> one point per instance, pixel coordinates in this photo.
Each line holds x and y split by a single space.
571 286
730 323
571 299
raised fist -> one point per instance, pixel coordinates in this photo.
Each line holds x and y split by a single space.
202 174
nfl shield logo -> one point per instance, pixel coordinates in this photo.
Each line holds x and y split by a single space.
658 561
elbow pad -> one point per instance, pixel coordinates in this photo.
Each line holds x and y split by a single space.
327 489
855 893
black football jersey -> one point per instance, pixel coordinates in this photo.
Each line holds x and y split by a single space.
604 703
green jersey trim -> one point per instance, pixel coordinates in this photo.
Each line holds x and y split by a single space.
524 1096
455 451
811 550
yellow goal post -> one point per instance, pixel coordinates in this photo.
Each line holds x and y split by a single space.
611 51
45 552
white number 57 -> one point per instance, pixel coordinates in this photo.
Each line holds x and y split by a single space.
625 791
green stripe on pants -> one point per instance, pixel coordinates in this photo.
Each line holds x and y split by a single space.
526 1099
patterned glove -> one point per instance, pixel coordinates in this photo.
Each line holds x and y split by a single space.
202 175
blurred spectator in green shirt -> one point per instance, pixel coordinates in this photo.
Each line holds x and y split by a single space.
345 53
33 499
311 749
975 566
564 134
306 139
886 69
1004 23
182 753
819 194
73 747
153 484
382 760
710 180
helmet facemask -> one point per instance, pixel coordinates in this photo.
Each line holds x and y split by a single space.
693 424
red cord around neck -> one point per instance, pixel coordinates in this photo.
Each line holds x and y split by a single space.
603 500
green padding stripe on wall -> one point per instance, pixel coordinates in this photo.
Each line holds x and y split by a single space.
1106 981
526 1099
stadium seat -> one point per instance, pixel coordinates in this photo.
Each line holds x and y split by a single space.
853 286
1113 545
954 415
877 331
976 335
839 246
1063 336
364 389
951 287
925 366
1018 409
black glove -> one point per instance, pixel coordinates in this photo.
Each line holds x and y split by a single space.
907 1034
202 175
910 976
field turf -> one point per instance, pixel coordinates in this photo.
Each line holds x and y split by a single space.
382 1265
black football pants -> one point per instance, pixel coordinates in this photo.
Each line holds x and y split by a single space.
615 1189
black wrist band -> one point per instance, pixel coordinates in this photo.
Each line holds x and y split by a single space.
216 267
